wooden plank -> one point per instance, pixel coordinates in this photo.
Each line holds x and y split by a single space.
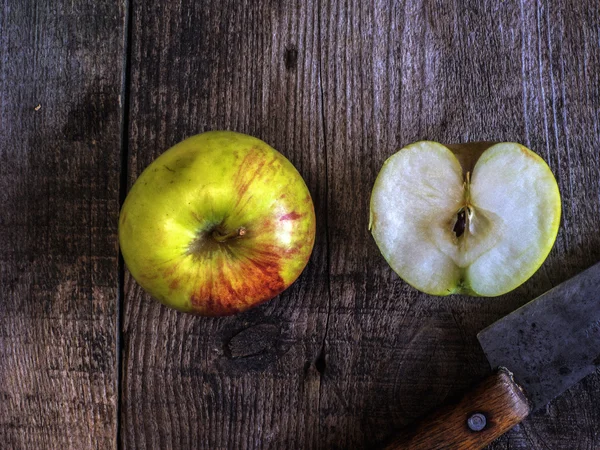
392 74
397 72
561 92
192 382
60 80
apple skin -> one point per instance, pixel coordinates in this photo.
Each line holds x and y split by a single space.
217 224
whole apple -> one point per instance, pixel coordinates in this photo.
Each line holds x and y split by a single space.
217 224
475 218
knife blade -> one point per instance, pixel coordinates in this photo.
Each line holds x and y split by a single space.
537 352
552 342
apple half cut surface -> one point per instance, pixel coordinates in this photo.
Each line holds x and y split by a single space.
477 219
217 224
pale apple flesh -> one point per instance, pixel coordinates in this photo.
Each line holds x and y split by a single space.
480 228
219 223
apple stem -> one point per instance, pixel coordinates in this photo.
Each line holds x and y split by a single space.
231 235
468 187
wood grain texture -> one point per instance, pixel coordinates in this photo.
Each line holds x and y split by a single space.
498 399
248 381
397 72
350 353
60 80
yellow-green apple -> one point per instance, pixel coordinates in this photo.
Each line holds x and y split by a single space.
217 224
476 218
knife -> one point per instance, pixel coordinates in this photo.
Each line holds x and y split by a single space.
537 352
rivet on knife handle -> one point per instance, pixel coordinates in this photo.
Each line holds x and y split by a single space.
482 415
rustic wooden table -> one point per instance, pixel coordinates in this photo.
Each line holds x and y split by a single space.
92 91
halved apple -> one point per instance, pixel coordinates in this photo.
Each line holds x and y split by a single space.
477 219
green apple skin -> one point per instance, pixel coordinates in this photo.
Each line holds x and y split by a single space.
217 224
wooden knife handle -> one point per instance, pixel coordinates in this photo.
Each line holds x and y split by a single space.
483 414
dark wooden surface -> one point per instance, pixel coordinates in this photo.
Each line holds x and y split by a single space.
349 353
60 114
